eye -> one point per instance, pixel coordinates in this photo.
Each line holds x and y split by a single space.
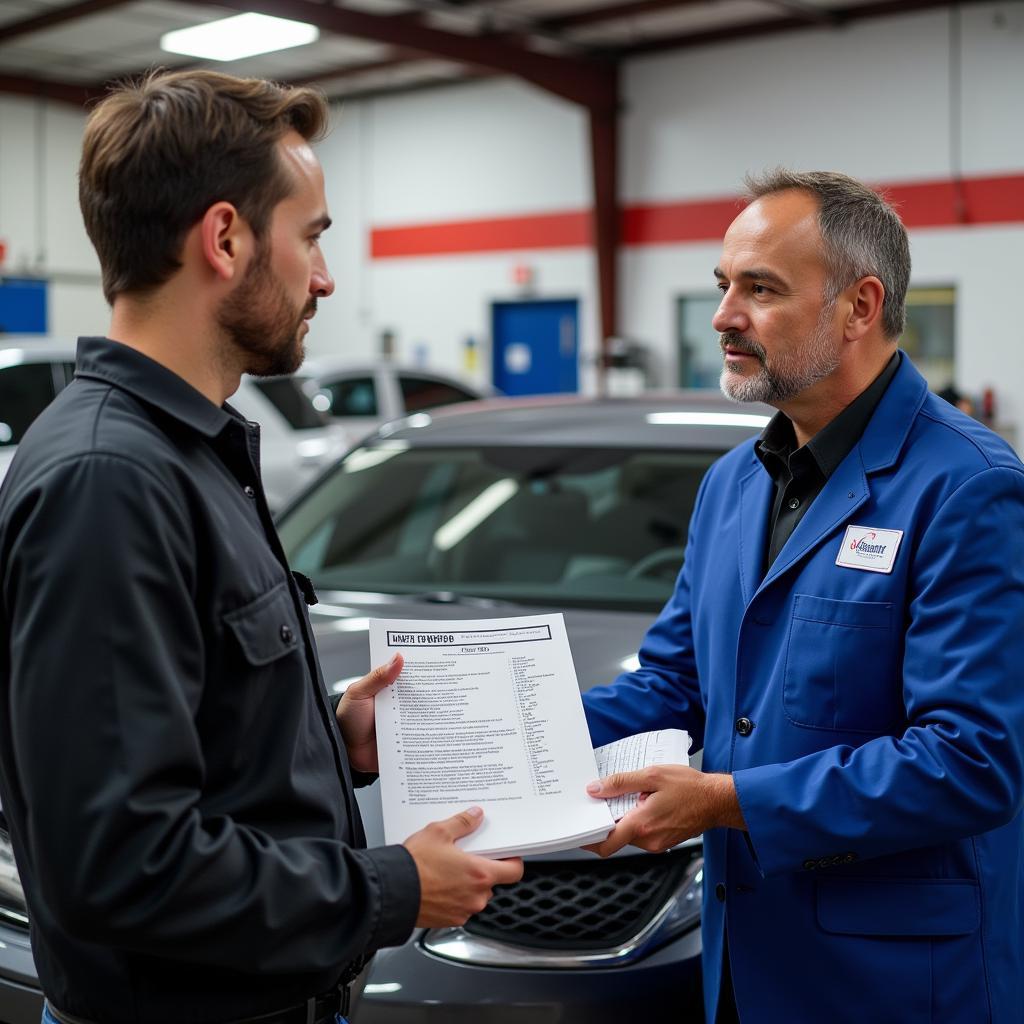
722 287
760 289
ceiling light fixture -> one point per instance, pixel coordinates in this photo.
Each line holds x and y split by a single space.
243 35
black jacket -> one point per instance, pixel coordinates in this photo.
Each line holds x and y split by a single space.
177 790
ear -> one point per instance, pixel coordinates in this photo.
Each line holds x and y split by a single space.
226 240
865 298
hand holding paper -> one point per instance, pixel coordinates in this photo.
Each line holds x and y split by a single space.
680 803
455 885
356 718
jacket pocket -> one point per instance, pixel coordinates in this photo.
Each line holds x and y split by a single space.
842 669
266 629
933 907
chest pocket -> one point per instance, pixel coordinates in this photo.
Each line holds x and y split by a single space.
842 668
266 629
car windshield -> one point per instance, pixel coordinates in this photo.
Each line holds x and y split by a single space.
557 526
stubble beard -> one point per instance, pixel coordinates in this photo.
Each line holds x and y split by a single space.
788 374
262 324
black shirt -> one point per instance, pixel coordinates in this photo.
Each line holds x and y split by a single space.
178 793
800 474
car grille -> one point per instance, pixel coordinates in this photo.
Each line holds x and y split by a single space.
582 904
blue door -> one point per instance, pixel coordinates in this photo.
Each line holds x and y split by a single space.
535 346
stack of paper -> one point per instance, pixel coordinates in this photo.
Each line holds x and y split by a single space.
488 712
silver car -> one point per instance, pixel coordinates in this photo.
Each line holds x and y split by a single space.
494 508
296 440
359 397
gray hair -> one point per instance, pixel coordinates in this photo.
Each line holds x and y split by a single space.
862 235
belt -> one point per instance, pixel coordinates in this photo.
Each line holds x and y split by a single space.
321 1009
318 1010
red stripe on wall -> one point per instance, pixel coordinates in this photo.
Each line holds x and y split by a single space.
700 221
540 231
996 200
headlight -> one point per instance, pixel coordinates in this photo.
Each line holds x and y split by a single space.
12 896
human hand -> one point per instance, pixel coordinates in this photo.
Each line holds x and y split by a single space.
455 885
676 803
355 714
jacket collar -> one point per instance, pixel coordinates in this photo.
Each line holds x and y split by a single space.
847 489
129 370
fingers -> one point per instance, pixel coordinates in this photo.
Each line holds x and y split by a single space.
622 782
508 871
619 837
377 679
461 824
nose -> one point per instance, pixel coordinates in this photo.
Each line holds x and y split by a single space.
729 316
321 284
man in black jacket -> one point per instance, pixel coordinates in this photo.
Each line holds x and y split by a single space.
177 784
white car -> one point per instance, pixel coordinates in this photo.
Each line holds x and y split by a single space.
359 397
297 440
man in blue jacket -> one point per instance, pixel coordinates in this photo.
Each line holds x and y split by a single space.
845 642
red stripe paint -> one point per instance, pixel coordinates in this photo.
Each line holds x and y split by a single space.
933 204
541 231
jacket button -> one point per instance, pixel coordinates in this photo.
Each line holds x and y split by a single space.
287 635
250 492
720 892
744 726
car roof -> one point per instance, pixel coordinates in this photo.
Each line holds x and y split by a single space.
16 349
317 366
701 420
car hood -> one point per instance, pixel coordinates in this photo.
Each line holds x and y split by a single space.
603 644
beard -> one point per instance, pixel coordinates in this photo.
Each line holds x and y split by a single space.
785 375
263 324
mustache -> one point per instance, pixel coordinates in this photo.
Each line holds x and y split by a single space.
740 344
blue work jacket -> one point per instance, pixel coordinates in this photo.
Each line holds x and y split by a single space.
873 721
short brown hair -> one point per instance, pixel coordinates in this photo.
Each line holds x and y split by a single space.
862 235
159 152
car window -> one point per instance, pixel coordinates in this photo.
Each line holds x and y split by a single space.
292 402
25 391
351 396
424 393
580 527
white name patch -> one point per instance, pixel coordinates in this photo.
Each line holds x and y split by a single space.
865 547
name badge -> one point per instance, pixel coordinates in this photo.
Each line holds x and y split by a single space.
865 547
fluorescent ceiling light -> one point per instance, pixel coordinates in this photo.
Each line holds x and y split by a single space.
707 419
244 35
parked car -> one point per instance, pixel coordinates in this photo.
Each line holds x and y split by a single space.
360 397
494 508
297 440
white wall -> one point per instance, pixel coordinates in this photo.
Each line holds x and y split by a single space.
876 100
485 149
879 99
39 217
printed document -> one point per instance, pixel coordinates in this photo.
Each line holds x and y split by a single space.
665 746
488 712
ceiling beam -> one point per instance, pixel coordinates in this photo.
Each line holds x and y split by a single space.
589 83
842 16
611 12
808 12
396 59
74 93
56 16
